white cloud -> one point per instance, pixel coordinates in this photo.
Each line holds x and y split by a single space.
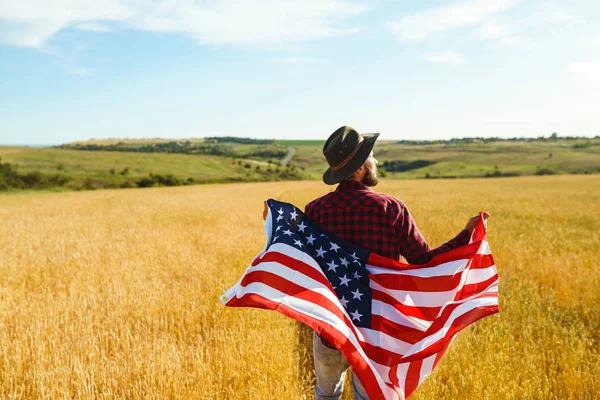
239 22
420 26
586 73
92 26
446 57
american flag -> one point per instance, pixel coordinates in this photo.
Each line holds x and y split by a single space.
392 321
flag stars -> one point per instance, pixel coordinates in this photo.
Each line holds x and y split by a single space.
344 281
332 266
310 239
298 243
287 232
356 294
280 211
344 301
321 252
334 247
301 227
356 275
353 255
293 214
356 315
279 217
344 262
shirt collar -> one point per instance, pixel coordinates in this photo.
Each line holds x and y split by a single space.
348 186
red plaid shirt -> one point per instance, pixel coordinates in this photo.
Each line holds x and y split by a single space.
376 222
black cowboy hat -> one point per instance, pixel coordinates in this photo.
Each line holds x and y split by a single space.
346 151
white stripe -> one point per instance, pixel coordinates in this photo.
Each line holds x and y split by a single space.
418 299
427 367
389 312
315 311
383 370
484 248
293 252
385 341
401 374
480 275
448 268
458 311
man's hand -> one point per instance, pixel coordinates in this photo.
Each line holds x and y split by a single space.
265 211
473 221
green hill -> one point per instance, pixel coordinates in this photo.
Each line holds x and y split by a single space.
124 163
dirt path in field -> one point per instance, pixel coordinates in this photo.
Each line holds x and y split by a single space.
288 157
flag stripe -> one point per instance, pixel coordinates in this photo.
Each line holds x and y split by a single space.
423 313
414 298
413 376
469 290
464 252
448 270
390 312
392 328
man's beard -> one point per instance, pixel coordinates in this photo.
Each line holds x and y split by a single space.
370 178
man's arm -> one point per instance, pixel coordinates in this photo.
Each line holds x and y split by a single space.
414 247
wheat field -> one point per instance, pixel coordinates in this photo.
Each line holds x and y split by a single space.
114 294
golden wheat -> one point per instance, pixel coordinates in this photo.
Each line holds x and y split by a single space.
114 294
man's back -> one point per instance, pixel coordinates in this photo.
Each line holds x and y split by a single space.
357 214
376 222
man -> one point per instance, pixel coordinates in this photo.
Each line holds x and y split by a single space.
374 221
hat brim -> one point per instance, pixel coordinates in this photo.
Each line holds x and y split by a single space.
332 177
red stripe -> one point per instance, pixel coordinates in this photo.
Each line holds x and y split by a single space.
442 283
426 313
460 253
482 261
404 333
413 376
381 355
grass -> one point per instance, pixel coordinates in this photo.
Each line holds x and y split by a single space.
114 294
97 165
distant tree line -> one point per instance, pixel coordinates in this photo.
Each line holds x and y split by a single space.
551 138
231 139
403 166
266 150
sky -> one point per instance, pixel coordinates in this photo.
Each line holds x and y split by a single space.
79 69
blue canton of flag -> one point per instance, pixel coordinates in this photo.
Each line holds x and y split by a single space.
342 263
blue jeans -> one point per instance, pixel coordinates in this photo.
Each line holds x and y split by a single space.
331 367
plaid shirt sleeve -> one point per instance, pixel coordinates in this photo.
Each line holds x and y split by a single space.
413 245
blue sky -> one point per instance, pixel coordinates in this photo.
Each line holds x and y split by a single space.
297 69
